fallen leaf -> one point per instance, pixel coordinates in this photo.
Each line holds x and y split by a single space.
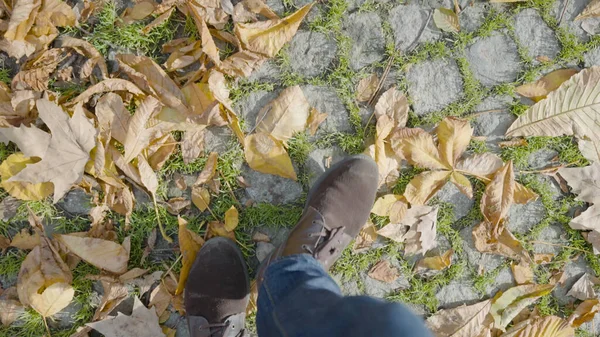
523 195
590 150
384 271
566 111
584 183
509 303
418 148
104 254
160 298
139 136
268 37
142 321
462 321
592 10
284 116
454 136
109 85
366 87
417 229
64 154
10 310
488 238
393 104
200 198
584 312
209 170
437 262
425 185
145 283
499 195
217 228
25 240
242 64
315 118
549 326
189 245
177 205
366 237
542 258
583 289
445 19
539 89
513 143
22 19
192 145
264 153
522 272
44 280
208 44
113 294
231 219
383 204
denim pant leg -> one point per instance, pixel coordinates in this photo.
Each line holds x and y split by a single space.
298 298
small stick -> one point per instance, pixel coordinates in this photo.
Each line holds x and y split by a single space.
562 246
171 267
160 226
414 44
562 13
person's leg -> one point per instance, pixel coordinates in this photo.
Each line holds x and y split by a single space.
298 298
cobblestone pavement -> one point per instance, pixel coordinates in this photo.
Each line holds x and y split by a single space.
471 74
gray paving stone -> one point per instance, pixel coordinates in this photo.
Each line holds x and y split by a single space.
355 4
572 10
174 192
267 72
311 53
65 318
573 270
503 281
541 158
456 293
76 203
494 59
249 107
263 249
592 58
270 188
493 124
407 22
461 204
534 34
217 139
472 17
326 100
381 289
316 161
368 43
521 218
348 287
434 84
551 234
476 259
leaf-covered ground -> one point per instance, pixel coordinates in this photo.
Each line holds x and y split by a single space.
343 62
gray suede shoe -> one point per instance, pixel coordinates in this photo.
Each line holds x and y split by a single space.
217 291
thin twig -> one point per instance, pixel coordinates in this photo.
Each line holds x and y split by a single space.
384 76
171 267
562 13
415 42
160 226
46 325
456 7
478 113
563 246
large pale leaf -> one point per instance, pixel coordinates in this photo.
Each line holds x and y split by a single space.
104 254
499 195
268 37
549 326
494 239
481 165
109 85
142 322
539 89
22 19
590 11
506 306
418 148
394 104
113 115
189 245
67 152
585 183
572 109
14 164
208 44
417 229
583 289
446 20
209 170
590 150
425 185
584 312
285 115
463 321
44 280
384 271
264 153
454 135
366 87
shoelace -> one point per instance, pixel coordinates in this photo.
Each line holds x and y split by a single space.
221 331
322 234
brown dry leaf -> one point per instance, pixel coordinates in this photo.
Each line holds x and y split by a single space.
592 10
268 37
208 44
508 304
200 198
242 64
539 89
489 238
417 229
109 85
584 183
523 195
10 310
260 237
160 298
88 50
513 143
209 170
454 135
522 272
217 228
104 254
264 153
139 136
139 11
159 20
425 185
14 164
585 312
462 321
549 326
446 20
192 145
566 111
590 150
383 204
231 219
393 104
583 289
543 258
315 119
367 87
177 205
4 244
438 262
189 245
259 7
499 195
384 271
25 239
366 237
284 116
418 148
142 321
44 280
22 19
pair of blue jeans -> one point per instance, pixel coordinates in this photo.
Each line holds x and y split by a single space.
298 298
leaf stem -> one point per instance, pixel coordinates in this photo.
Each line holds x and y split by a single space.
160 226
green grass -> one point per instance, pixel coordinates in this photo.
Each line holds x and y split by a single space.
5 76
567 149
